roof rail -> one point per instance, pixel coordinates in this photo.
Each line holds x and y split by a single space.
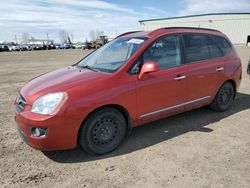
198 28
127 33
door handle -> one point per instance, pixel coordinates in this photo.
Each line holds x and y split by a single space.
180 77
220 69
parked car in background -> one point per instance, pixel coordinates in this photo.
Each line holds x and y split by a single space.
26 47
1 48
11 47
57 46
37 47
4 48
51 47
17 48
65 46
135 79
78 46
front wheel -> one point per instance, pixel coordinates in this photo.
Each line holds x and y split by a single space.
224 98
103 131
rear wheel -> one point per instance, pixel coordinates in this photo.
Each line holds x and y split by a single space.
224 98
103 131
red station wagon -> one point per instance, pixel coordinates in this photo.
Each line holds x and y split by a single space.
137 78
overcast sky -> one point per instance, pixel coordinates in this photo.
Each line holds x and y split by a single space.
39 17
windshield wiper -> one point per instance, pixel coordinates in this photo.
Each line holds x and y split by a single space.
89 67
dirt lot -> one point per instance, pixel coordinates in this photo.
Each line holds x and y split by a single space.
200 148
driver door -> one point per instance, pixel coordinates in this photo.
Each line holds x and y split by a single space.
162 93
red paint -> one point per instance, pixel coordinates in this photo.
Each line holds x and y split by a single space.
147 68
149 91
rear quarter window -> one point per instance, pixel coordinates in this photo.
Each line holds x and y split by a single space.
222 43
200 47
214 49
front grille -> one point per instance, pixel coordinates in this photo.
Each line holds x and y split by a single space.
20 103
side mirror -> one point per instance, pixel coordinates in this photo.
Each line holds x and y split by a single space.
148 67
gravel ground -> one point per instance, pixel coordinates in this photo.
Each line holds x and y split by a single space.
200 148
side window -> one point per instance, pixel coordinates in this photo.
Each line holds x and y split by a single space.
214 50
222 44
196 48
165 51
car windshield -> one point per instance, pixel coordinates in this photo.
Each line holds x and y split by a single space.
113 55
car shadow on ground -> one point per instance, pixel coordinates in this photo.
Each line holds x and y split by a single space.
158 131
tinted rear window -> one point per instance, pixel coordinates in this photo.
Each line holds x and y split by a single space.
196 48
200 47
214 49
222 44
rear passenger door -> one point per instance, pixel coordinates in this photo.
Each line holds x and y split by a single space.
205 68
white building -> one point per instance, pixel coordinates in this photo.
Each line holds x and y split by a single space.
235 25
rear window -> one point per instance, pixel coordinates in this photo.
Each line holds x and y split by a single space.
222 44
196 48
214 49
200 47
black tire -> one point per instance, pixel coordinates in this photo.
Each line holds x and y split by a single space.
103 131
224 98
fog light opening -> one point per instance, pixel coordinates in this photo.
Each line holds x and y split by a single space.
38 132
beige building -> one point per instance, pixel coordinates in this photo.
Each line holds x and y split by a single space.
235 25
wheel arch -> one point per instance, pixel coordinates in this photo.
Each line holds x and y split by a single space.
234 85
230 81
120 108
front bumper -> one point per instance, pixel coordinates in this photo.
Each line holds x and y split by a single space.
62 130
22 135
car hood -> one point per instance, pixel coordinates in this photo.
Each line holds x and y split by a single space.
59 80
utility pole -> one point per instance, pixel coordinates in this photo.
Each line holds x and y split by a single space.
15 39
48 37
72 40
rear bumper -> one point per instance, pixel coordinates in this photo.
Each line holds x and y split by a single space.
62 131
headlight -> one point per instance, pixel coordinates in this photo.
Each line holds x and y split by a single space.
48 104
